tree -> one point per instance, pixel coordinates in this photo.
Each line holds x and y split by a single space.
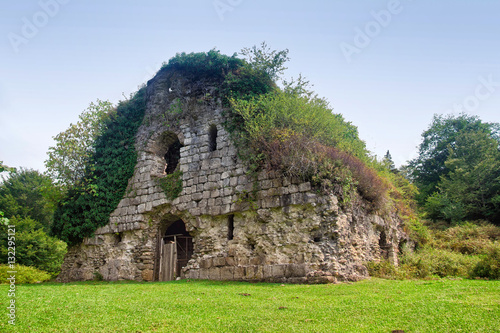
472 186
74 147
427 169
87 206
33 246
389 163
22 194
4 168
263 59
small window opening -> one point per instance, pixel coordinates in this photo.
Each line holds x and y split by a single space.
230 227
118 237
382 242
212 138
172 157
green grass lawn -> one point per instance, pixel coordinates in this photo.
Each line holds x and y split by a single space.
205 306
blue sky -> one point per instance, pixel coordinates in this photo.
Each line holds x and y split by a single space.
386 66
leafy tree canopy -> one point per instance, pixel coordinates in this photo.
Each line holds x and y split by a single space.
75 146
23 194
471 188
427 169
33 246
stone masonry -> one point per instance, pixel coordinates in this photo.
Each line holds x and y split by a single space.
263 228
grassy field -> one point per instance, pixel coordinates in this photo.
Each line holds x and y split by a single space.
204 306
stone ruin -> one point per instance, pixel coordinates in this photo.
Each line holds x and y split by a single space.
215 229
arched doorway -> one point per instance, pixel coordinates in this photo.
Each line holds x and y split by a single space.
175 250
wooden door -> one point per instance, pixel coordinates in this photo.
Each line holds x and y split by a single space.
168 261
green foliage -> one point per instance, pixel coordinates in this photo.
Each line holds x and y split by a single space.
489 267
389 163
23 194
171 184
468 250
74 147
33 246
3 220
204 65
473 180
467 238
263 59
88 205
417 231
246 83
24 274
430 166
5 168
298 135
310 116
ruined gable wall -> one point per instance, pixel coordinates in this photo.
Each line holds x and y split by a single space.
288 232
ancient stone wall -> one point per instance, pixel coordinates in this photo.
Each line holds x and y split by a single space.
244 227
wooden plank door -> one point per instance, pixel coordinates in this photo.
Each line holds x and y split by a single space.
168 260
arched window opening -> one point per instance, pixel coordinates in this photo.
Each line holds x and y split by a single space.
172 157
212 138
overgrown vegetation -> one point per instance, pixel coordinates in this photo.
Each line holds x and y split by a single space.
91 200
292 131
171 184
470 250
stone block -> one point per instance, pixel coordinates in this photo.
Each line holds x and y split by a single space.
279 271
225 209
230 261
253 272
195 211
219 261
295 270
193 274
227 273
321 280
293 189
233 181
304 187
141 208
238 273
297 280
214 273
206 263
255 261
267 271
147 275
203 274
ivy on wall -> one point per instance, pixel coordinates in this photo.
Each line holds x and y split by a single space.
89 203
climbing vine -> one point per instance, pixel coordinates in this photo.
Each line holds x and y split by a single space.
88 204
